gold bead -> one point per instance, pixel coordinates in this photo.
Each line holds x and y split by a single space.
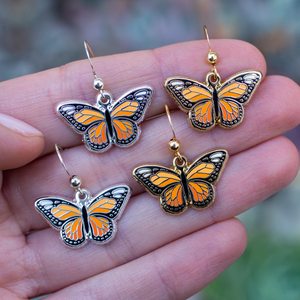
212 57
174 145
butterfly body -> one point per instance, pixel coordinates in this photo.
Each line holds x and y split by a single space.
186 184
85 219
214 102
108 122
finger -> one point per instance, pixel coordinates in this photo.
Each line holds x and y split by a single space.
120 73
20 142
263 122
249 177
178 270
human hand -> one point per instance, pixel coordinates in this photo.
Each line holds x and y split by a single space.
154 255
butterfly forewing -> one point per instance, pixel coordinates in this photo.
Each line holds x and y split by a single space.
187 91
241 86
80 115
133 105
208 167
57 211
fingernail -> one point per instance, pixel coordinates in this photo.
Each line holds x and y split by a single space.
18 125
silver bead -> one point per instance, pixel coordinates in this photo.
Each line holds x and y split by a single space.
75 182
98 84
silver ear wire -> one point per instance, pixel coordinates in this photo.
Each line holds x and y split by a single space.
98 83
75 180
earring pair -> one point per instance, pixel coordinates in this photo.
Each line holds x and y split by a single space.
111 122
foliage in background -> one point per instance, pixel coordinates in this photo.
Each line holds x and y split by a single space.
267 270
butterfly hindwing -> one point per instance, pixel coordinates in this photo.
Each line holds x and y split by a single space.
72 233
231 113
202 115
97 137
202 194
172 199
126 132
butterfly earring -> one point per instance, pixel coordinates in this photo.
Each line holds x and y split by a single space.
185 184
214 102
85 218
107 122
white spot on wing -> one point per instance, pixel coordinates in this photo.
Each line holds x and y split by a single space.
216 157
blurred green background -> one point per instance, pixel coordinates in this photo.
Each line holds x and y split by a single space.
36 35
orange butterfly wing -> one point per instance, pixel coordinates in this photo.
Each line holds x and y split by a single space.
195 98
202 174
164 183
66 216
234 93
88 120
104 210
127 113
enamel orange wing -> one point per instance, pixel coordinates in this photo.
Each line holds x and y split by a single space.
186 185
211 103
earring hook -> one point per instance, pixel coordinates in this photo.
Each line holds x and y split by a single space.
75 181
170 120
89 50
58 149
207 37
173 143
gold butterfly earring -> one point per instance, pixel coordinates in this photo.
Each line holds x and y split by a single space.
107 122
214 102
85 218
184 184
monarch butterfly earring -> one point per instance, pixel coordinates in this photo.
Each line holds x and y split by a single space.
85 218
107 122
214 102
185 184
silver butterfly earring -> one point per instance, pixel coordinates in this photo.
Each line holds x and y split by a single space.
107 122
86 217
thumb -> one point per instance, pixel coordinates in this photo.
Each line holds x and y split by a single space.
20 143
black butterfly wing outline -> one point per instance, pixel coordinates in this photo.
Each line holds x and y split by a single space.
104 210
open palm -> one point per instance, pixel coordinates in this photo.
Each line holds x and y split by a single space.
154 255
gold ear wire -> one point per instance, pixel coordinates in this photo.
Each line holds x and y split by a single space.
211 56
174 144
75 181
